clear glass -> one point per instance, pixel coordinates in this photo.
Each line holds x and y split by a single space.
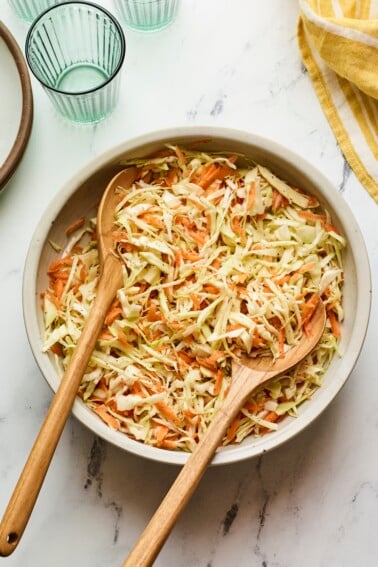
76 51
147 15
29 9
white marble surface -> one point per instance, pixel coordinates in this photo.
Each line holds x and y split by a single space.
312 502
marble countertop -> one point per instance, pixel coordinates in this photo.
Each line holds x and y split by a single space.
311 502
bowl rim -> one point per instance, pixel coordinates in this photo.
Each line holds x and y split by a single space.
331 195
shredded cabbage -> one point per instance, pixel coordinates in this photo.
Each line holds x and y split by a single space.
218 260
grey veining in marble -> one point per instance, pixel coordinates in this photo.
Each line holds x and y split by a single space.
314 501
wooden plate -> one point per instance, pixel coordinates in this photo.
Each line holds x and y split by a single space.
16 108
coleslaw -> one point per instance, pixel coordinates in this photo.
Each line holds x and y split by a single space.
220 257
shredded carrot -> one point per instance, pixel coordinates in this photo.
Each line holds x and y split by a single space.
212 172
231 431
191 256
176 325
309 215
331 228
113 312
122 339
168 412
277 200
327 291
210 362
281 342
171 177
56 265
184 221
198 236
312 200
251 196
282 279
260 216
113 422
178 256
111 404
300 296
335 326
188 413
309 308
210 288
169 444
196 302
153 314
257 341
234 327
51 297
236 226
272 417
218 382
83 273
160 433
306 268
255 406
208 220
153 220
136 389
106 336
78 223
184 356
57 348
58 288
112 315
77 249
216 264
60 276
216 355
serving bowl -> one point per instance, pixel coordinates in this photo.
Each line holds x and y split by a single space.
81 195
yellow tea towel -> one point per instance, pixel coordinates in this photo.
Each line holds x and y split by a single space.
338 40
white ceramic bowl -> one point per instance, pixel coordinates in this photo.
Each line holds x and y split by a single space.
81 194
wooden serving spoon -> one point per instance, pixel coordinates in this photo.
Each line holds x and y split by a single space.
247 375
29 484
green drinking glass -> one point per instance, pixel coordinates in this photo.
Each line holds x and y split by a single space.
29 9
76 51
147 15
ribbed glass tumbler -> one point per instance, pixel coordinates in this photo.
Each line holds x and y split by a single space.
76 51
29 9
147 15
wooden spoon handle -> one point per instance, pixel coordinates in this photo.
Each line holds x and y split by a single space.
30 481
158 529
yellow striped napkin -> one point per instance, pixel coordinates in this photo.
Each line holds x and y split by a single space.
339 44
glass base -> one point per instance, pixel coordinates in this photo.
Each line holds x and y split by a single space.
147 28
81 77
83 122
29 11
